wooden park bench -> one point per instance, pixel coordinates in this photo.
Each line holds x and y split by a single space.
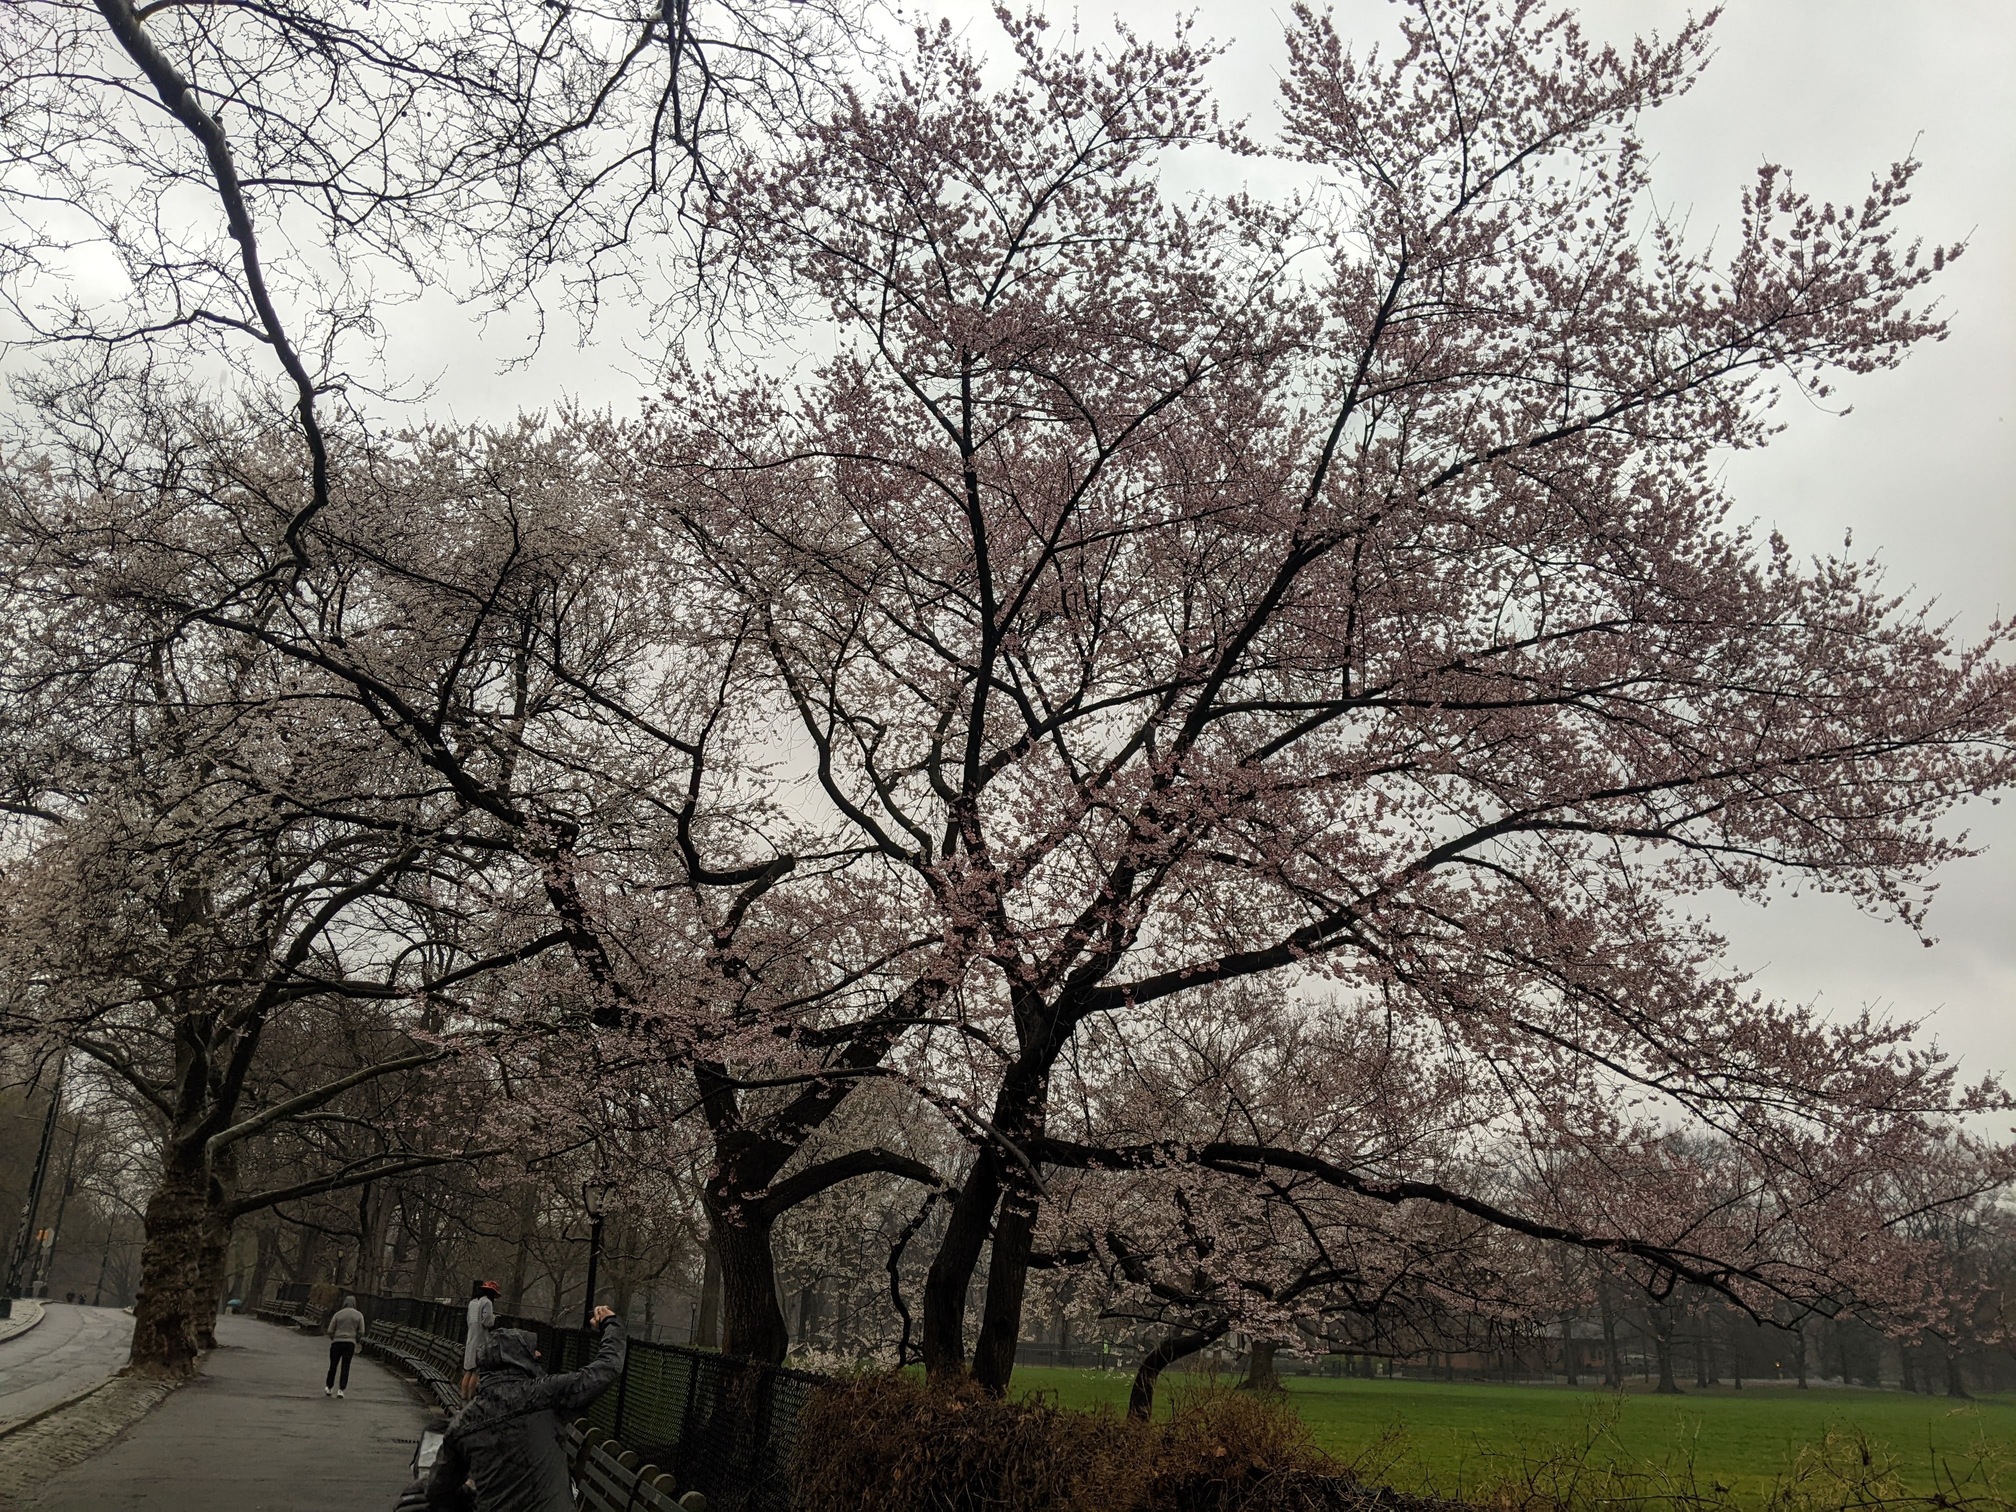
421 1355
612 1480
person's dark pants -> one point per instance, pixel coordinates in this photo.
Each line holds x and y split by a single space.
339 1356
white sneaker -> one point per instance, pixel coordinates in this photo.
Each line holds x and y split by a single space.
339 1393
328 1391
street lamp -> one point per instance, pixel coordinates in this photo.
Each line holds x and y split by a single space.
18 1257
595 1199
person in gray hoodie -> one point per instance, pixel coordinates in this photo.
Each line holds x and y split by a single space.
509 1438
345 1330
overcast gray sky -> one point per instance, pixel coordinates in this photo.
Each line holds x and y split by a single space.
1921 469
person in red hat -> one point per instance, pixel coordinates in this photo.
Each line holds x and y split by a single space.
482 1319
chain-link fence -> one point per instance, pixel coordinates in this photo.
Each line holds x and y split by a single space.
721 1425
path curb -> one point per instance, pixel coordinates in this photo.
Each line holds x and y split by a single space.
41 1312
70 1401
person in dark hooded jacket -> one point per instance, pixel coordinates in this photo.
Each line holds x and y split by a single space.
509 1436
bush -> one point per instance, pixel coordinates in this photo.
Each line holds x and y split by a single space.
891 1443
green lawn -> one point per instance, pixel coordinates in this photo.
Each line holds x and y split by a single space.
1424 1435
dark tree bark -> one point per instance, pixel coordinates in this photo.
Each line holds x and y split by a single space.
266 1249
1007 1283
707 1326
1662 1346
1178 1346
752 1322
950 1279
1260 1372
216 1254
165 1338
1008 1192
1613 1366
1955 1385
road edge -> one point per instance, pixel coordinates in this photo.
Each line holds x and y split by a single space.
41 1312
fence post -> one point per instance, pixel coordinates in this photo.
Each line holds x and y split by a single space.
622 1393
692 1399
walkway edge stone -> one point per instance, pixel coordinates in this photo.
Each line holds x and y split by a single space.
42 1446
13 1328
15 1425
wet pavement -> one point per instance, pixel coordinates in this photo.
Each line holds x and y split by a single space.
71 1350
254 1433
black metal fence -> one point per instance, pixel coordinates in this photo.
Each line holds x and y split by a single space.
721 1425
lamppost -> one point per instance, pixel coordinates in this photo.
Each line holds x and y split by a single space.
18 1258
594 1198
48 1260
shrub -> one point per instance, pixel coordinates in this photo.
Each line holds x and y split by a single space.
891 1443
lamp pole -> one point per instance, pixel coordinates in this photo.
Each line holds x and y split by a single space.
595 1198
26 1237
48 1269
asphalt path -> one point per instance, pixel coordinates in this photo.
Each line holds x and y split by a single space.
71 1350
254 1433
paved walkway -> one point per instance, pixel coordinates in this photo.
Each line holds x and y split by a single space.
254 1433
71 1350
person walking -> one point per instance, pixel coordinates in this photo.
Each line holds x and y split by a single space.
509 1439
476 1338
345 1330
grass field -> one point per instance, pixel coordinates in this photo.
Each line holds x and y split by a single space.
1457 1439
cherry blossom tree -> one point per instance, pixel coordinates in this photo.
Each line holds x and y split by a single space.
1172 594
489 613
234 909
211 196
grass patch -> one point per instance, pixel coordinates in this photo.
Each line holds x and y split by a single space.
1460 1440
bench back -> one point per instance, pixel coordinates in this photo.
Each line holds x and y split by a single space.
612 1480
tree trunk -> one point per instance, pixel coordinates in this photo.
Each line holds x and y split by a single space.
707 1327
1019 1117
521 1257
218 1222
1955 1386
266 1251
306 1257
1141 1397
950 1279
808 1313
752 1322
1568 1346
165 1325
1704 1364
1662 1347
622 1265
1260 1372
216 1254
1799 1353
1007 1284
425 1240
1613 1367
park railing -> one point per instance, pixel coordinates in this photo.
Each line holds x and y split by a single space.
723 1426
